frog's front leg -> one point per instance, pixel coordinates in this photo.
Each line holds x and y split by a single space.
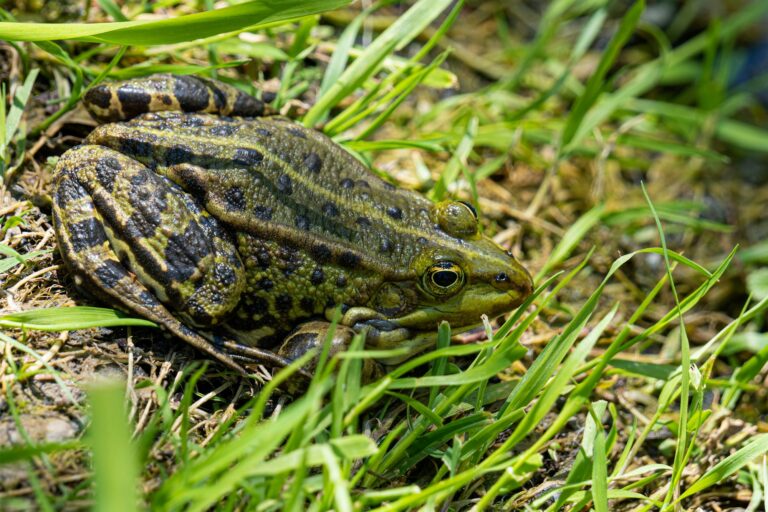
313 335
137 240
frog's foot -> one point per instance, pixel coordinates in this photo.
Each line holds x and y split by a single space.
134 239
312 335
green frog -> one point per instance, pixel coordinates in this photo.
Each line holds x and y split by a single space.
242 234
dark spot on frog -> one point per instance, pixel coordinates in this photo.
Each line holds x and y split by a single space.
148 299
284 184
265 283
215 297
389 186
297 133
347 183
69 190
184 252
86 234
312 162
395 212
321 253
263 212
330 303
223 130
179 155
330 209
263 132
136 148
349 259
307 305
254 305
263 257
133 100
106 171
283 303
225 274
247 157
385 246
165 99
191 93
317 277
422 240
235 199
363 221
247 106
99 96
109 273
341 281
190 121
149 201
302 222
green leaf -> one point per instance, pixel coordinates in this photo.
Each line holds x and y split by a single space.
726 467
498 361
596 81
757 283
250 15
68 319
653 371
571 239
395 37
114 458
13 118
743 135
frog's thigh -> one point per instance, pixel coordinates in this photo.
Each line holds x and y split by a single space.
312 335
96 225
173 247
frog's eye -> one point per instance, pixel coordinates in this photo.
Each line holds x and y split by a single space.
443 278
456 218
470 208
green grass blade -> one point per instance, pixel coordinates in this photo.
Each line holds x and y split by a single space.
69 319
396 36
575 234
752 450
114 460
596 80
250 15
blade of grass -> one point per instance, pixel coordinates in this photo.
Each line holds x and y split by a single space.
114 461
396 36
250 15
69 319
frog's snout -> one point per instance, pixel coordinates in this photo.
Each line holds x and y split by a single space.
516 279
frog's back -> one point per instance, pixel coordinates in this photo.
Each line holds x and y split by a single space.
277 179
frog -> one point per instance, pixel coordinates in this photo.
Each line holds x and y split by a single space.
255 239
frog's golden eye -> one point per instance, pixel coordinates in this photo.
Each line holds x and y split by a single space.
456 218
443 278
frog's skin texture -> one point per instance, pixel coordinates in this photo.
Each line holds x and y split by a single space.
248 227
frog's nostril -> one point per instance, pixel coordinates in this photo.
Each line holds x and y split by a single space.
502 277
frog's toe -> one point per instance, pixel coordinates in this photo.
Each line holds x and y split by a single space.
312 335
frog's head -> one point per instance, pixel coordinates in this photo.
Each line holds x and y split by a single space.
458 279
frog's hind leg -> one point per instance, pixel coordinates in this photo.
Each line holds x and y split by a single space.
116 101
133 238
